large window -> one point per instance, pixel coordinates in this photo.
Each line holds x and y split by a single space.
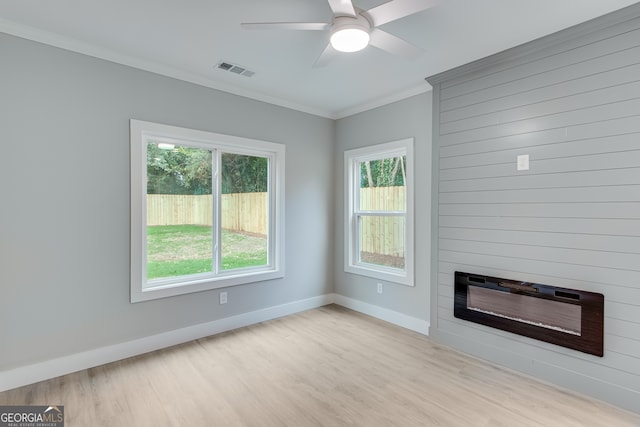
206 210
379 211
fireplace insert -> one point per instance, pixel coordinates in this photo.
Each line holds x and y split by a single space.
567 317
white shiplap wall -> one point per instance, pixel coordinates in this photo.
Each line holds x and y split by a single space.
571 101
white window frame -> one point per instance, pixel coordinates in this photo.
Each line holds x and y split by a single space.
142 132
352 158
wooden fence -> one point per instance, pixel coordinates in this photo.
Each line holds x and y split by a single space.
383 198
383 235
247 212
178 209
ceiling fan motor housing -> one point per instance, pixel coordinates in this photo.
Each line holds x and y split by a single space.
350 34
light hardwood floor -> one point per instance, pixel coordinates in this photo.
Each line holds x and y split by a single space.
324 367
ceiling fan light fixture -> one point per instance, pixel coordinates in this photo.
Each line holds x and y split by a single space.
350 40
350 34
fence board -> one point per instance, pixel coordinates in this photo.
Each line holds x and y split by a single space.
178 209
384 236
245 212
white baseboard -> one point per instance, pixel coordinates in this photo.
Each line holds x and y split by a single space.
41 371
399 319
30 374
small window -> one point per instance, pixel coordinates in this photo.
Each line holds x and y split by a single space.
379 211
207 210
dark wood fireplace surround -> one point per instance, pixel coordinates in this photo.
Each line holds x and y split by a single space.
567 317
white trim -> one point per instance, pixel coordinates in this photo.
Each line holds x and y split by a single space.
421 87
78 46
352 185
143 132
41 371
394 317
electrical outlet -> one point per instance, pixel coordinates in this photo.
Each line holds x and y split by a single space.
379 288
223 297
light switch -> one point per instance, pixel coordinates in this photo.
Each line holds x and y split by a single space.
523 162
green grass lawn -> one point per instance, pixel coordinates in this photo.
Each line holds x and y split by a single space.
178 250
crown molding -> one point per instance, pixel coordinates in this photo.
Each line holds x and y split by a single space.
78 46
422 87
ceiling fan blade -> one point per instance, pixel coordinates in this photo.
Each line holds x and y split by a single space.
342 8
397 9
326 55
393 44
308 26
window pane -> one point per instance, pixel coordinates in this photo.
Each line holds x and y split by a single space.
382 184
179 211
244 211
382 240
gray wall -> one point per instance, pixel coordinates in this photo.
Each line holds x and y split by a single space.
572 102
403 119
64 210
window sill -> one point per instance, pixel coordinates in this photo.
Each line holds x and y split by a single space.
170 289
388 275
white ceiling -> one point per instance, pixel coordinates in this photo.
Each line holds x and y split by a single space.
187 38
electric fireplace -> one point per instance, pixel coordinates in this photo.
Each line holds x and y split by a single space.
567 317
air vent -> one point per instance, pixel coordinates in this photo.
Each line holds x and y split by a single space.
235 68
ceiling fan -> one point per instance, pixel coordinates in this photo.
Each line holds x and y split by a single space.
352 29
